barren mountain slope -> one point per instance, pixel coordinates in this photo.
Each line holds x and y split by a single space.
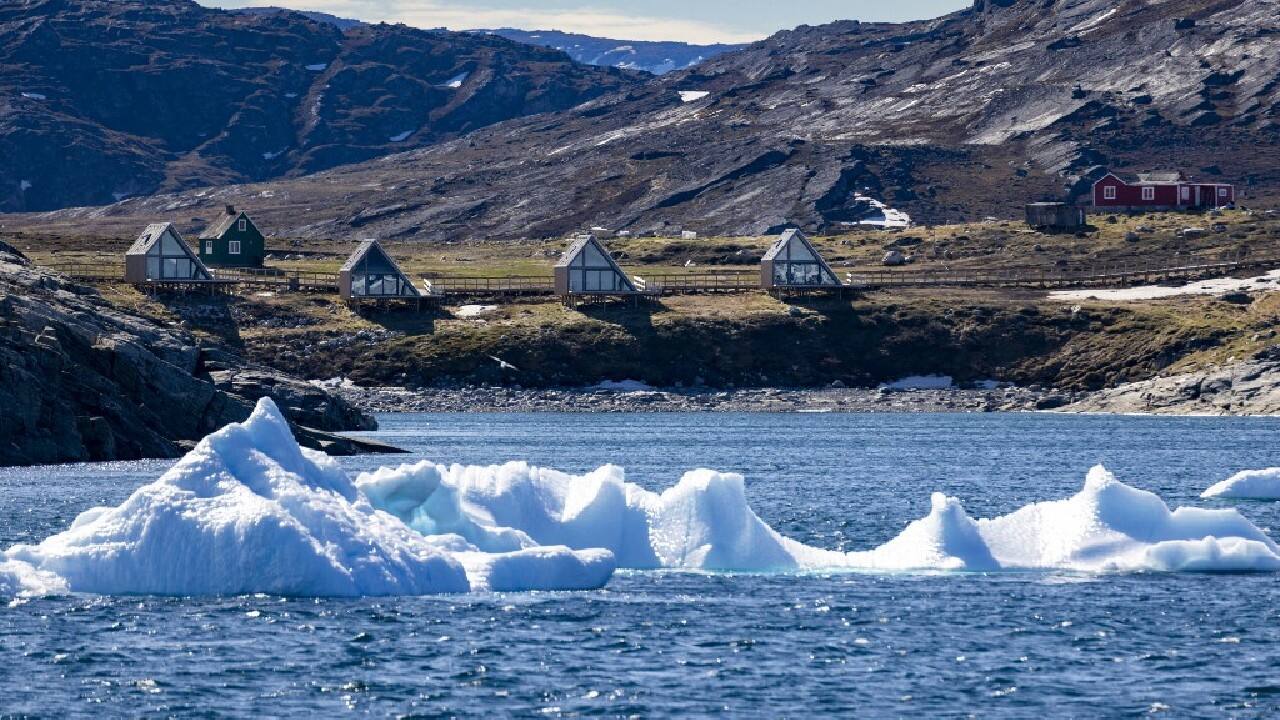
103 99
967 115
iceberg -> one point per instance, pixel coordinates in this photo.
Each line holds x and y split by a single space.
1248 485
249 511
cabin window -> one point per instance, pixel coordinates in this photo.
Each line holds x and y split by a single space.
1222 192
1109 192
1148 193
233 247
243 225
208 247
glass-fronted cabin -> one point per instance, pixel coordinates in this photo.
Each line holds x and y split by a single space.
371 273
586 269
792 262
161 255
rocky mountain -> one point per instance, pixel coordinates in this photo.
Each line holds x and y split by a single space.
82 380
658 58
106 99
968 115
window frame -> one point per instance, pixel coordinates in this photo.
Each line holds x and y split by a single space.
1109 192
1148 193
233 247
242 225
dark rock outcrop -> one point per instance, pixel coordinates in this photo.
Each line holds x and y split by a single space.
81 380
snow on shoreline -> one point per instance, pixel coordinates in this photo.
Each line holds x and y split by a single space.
1267 283
248 511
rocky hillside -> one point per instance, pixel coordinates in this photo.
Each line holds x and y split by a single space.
81 380
106 99
658 58
968 115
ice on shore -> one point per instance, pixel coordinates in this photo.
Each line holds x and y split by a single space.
1248 485
249 511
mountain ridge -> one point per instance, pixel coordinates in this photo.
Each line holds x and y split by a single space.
951 119
103 99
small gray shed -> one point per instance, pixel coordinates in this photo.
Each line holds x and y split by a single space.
1055 216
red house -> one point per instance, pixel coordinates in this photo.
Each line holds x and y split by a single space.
1161 191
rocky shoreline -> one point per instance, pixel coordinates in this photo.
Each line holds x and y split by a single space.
501 399
1250 387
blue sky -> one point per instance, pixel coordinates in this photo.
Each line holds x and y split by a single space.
700 21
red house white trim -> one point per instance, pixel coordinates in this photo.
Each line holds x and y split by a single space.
1168 191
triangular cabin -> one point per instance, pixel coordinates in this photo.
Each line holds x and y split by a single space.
160 255
370 273
792 262
233 240
586 269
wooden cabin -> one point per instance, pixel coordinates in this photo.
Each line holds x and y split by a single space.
233 240
371 274
160 255
1161 191
586 269
793 263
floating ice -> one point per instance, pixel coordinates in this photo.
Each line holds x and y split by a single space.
704 522
1248 485
1109 526
318 67
249 511
400 137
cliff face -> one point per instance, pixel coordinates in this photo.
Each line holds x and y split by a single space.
968 115
105 99
81 380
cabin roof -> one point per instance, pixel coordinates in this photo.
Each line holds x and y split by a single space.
1160 178
578 245
223 224
149 237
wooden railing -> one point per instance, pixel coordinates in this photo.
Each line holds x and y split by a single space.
679 283
441 285
89 271
288 279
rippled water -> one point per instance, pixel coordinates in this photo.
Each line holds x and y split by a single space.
665 643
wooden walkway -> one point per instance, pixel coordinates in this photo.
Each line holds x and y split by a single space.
440 287
1097 275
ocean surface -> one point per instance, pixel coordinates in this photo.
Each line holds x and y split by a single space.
661 644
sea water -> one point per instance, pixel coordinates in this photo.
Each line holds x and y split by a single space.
665 642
